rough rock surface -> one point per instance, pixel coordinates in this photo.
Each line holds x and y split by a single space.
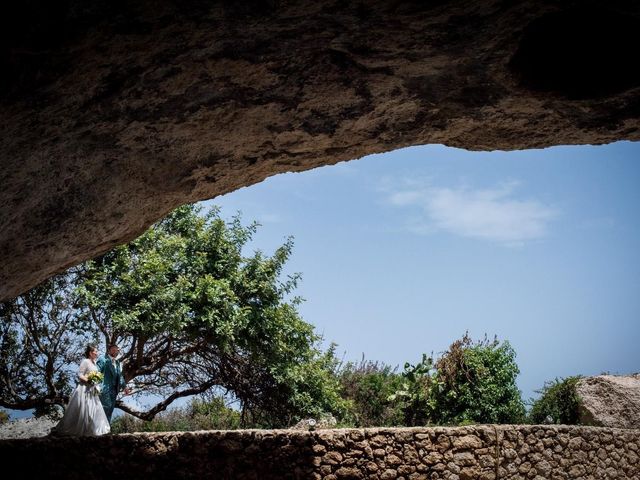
484 452
114 113
610 400
27 428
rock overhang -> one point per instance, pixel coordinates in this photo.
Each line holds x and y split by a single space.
115 113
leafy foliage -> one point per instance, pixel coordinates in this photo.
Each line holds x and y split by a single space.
559 403
40 336
368 386
192 316
472 382
475 382
213 414
415 394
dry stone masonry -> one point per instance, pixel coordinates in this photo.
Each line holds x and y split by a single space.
483 452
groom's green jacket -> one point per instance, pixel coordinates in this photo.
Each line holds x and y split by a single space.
112 383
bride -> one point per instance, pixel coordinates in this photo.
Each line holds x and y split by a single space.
84 414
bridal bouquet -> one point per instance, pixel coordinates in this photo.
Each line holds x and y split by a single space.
94 378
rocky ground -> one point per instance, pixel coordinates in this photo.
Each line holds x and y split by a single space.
27 428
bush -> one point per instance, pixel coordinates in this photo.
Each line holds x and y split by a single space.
559 403
4 417
475 382
368 385
305 388
413 398
472 382
198 415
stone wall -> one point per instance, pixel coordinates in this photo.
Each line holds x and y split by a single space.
484 452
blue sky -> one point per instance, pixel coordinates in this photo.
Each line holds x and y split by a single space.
403 252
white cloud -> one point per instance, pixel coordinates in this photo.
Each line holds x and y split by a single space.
490 214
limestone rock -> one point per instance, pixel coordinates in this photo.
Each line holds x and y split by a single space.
610 400
27 427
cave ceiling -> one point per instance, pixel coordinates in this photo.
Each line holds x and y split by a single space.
115 112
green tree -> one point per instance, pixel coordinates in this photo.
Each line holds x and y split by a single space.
192 315
41 336
475 382
558 403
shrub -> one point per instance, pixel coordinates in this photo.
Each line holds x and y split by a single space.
414 395
4 417
213 414
472 382
475 382
559 403
368 385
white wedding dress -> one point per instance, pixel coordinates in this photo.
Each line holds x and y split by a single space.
84 414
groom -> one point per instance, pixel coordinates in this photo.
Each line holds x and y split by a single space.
113 381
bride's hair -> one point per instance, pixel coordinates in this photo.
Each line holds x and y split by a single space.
90 348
